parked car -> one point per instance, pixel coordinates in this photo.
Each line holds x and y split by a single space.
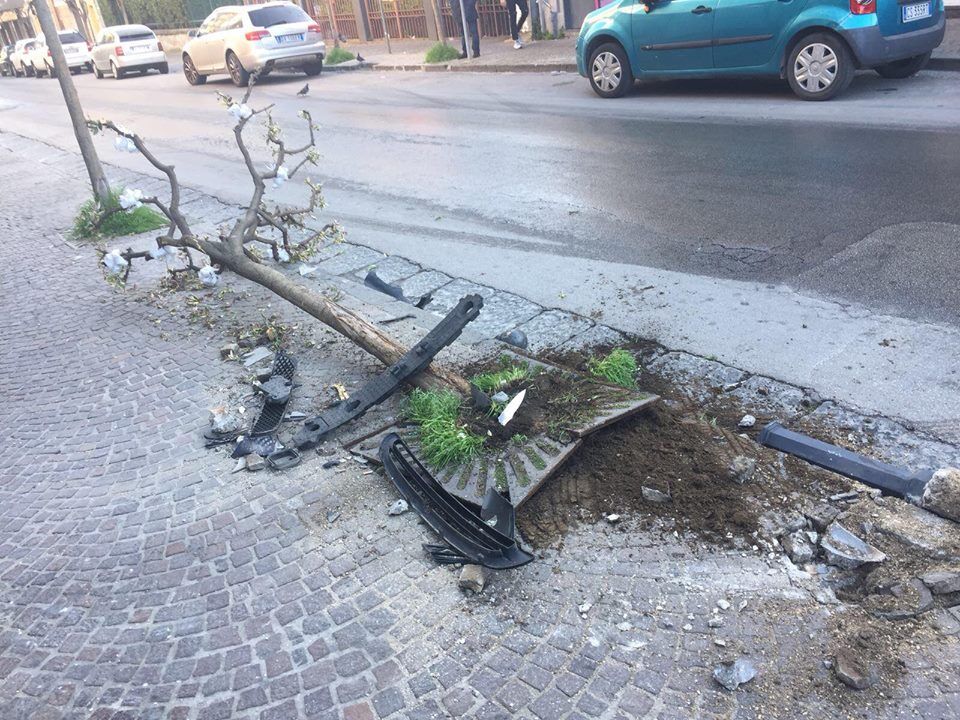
75 50
240 39
817 45
6 67
122 49
17 57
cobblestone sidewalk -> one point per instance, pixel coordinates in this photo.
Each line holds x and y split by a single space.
139 579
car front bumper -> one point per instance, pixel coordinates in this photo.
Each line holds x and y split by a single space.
257 57
872 48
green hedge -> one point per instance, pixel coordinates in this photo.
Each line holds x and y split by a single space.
161 14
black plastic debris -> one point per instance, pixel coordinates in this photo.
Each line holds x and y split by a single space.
284 459
383 386
377 283
481 401
276 391
891 479
471 538
212 438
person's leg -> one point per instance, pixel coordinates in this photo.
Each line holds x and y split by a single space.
471 8
524 13
455 9
512 14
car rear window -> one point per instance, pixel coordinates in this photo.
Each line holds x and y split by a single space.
66 38
277 15
132 35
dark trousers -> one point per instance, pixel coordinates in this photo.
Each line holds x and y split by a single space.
470 12
515 22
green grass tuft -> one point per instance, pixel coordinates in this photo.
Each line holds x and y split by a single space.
141 220
443 439
338 55
441 52
619 368
490 382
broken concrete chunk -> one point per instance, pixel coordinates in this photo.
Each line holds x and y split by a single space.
774 524
942 583
747 421
798 547
224 420
500 397
846 550
732 675
844 496
715 622
254 462
399 507
742 469
612 518
653 495
853 670
584 608
473 578
261 353
723 604
821 516
917 597
942 494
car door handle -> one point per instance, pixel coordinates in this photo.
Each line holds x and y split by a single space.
701 9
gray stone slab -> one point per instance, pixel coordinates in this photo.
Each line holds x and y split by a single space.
446 298
391 269
424 282
596 336
681 366
552 328
350 258
501 313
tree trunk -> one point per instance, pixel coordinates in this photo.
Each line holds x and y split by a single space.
123 12
98 180
347 323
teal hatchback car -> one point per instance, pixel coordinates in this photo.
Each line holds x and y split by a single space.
817 45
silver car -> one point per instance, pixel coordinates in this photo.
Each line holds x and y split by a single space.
239 39
122 49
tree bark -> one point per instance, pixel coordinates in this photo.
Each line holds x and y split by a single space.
98 179
347 323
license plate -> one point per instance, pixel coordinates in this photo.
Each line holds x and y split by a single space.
916 12
139 48
70 50
282 39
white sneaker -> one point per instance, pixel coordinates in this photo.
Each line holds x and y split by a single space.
517 44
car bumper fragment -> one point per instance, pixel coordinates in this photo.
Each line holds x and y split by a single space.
872 48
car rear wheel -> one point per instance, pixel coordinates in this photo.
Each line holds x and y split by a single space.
190 72
51 72
240 77
903 68
609 71
820 67
116 72
165 69
313 69
96 72
30 70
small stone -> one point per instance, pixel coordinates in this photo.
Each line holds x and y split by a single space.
715 622
846 550
723 604
732 675
942 494
330 463
399 507
261 353
797 547
228 351
821 516
667 623
500 397
254 462
473 578
773 524
719 642
584 608
844 496
224 421
942 583
653 495
624 626
333 514
613 518
742 469
687 627
854 671
747 421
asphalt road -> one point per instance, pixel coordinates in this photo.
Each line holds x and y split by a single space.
730 180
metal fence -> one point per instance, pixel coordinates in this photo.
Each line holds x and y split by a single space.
492 19
400 18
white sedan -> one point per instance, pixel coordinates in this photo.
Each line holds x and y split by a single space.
75 50
123 49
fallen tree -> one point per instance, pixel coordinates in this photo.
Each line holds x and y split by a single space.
259 225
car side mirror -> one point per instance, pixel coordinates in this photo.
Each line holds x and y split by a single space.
193 33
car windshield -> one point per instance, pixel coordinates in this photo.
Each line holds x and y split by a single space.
68 38
131 35
277 15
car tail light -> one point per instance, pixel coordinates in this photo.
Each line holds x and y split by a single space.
89 47
254 35
49 54
159 46
118 51
314 28
863 7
